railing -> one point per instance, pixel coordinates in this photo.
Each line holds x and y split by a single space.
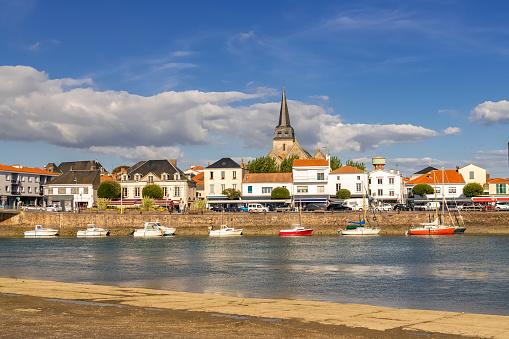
15 182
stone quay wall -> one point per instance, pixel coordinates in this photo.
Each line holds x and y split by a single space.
391 223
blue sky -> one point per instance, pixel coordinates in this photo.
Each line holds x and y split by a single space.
416 82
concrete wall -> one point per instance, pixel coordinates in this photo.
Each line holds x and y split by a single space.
252 224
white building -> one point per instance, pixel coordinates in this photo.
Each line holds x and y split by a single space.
472 173
386 186
224 173
350 178
310 180
448 185
73 190
257 187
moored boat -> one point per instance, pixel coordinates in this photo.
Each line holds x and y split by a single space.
359 228
296 231
433 228
41 231
154 229
93 231
225 231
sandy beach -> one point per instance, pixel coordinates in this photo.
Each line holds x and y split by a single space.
53 309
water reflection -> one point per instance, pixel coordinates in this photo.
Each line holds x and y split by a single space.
442 273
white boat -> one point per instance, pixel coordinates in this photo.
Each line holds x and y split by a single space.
93 231
359 228
225 231
154 229
41 231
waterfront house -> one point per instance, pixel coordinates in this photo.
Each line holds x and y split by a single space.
257 187
497 187
80 165
350 178
310 180
222 174
472 173
178 189
447 184
22 185
385 186
73 190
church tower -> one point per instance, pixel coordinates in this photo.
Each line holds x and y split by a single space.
284 136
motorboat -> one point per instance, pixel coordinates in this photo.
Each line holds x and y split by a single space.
360 229
296 231
41 231
154 229
225 231
93 231
432 228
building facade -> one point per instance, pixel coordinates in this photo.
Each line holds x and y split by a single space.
350 178
224 173
22 186
310 180
257 187
73 190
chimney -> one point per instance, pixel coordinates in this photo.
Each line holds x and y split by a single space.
392 170
173 162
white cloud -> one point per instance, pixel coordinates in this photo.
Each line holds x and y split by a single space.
69 113
490 113
452 131
245 36
320 97
34 47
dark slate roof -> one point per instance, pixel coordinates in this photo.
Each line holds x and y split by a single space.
157 167
78 177
426 170
224 163
83 165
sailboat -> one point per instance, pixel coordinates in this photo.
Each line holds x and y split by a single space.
359 228
435 228
225 230
297 229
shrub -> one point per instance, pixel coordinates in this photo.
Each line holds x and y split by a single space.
152 191
473 190
109 189
422 189
280 193
102 203
147 203
343 194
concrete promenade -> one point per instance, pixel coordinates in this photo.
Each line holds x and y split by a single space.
229 316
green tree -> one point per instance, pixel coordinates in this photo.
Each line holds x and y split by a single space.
200 204
103 203
231 193
287 164
152 191
343 194
262 165
335 163
473 189
109 189
280 193
422 189
359 165
147 203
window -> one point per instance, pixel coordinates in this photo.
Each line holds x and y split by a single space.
338 187
29 189
249 189
125 177
452 189
284 147
501 188
320 176
124 192
164 178
36 179
223 187
22 178
136 192
234 173
177 191
74 190
266 190
36 189
391 181
29 179
320 189
23 189
211 188
150 179
302 189
358 177
438 190
165 191
358 187
223 174
391 193
7 177
7 189
380 192
211 175
380 181
137 177
85 190
471 174
234 186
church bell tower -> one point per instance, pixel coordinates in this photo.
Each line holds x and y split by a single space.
284 136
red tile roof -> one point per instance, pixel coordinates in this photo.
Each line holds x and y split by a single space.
25 170
497 181
198 177
347 169
267 177
310 162
450 176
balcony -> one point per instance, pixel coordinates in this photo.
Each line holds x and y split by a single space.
15 182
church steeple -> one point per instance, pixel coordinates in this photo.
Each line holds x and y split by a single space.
284 130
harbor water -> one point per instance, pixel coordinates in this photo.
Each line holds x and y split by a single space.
461 273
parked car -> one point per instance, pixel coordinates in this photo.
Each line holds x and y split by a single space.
470 207
284 208
401 207
243 209
338 207
502 207
217 208
384 207
315 207
256 208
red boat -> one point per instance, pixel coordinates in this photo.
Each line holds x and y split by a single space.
432 228
296 231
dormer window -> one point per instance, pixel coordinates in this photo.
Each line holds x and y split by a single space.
137 177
